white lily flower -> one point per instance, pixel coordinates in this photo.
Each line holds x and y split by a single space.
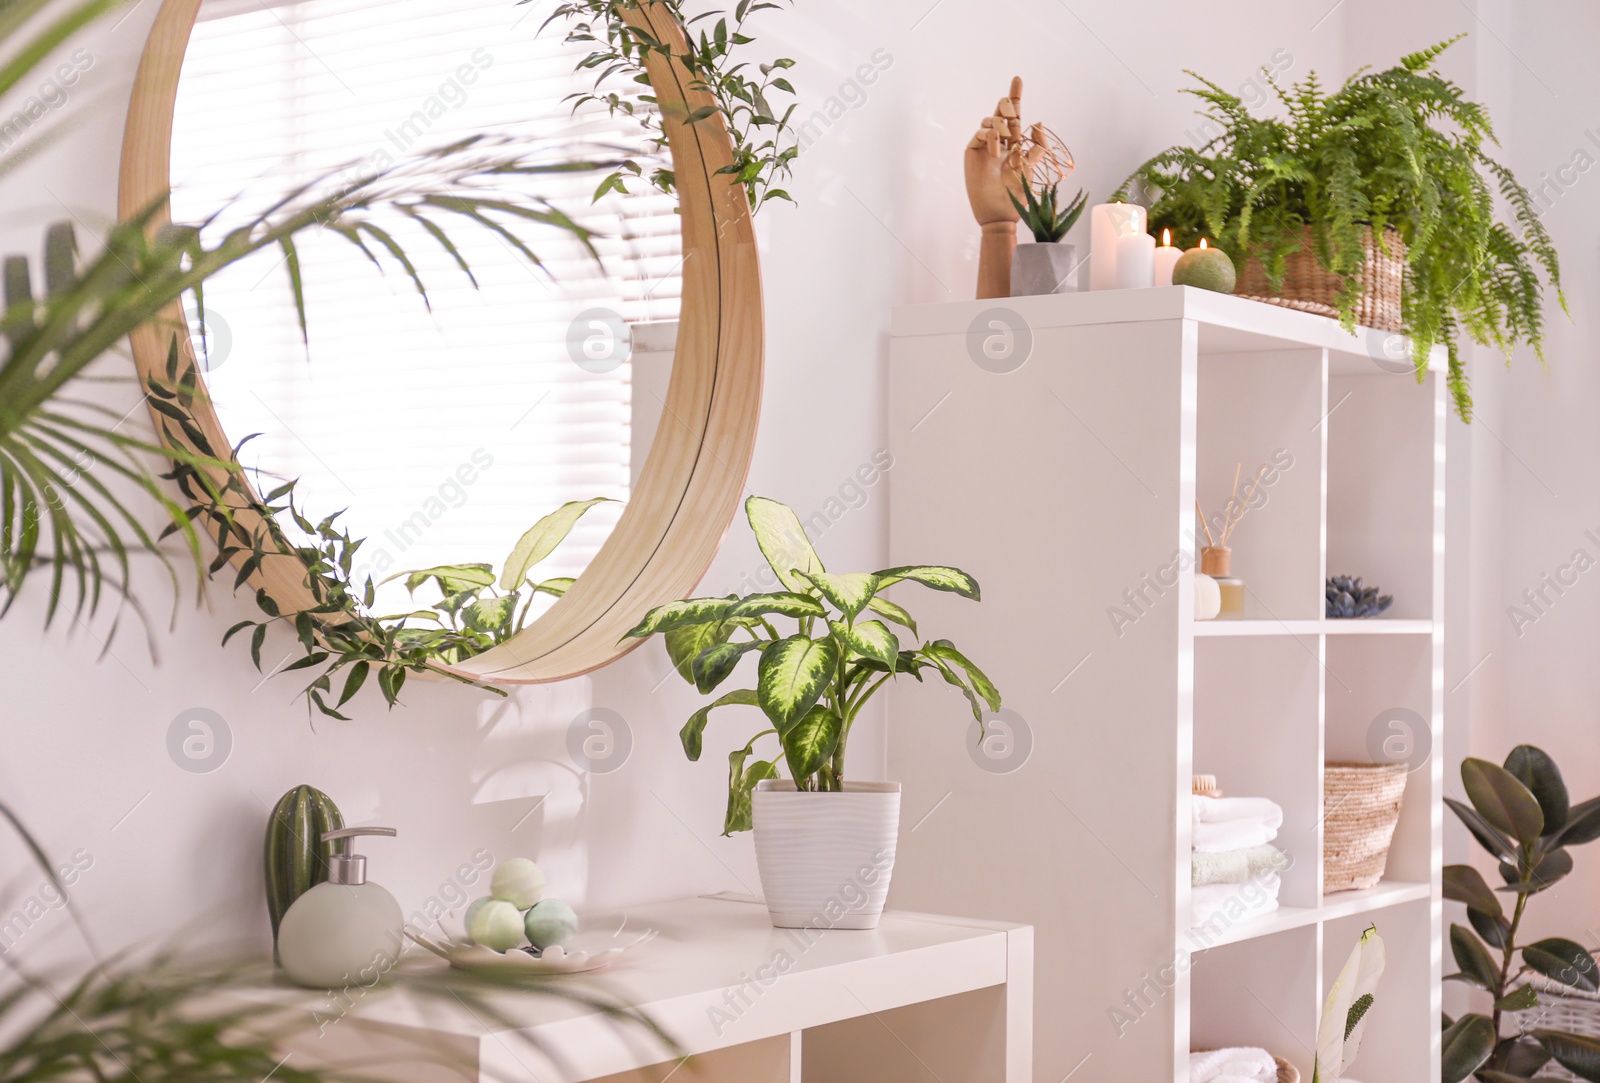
1344 1014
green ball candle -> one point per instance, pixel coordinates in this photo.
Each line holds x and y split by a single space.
1206 268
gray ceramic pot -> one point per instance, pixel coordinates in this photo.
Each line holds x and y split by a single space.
1043 268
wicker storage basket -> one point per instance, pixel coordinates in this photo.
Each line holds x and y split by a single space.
1561 1008
1309 288
1361 805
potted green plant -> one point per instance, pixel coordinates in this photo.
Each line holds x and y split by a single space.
1377 201
819 838
1520 813
1045 266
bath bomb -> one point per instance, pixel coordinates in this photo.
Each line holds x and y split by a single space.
1207 268
519 882
496 924
472 909
550 922
1207 597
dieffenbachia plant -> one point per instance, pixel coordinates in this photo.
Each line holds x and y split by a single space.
1344 1013
812 684
1520 813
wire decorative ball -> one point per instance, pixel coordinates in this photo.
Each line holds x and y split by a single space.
1053 163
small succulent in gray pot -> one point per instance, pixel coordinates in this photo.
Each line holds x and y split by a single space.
1349 597
1046 266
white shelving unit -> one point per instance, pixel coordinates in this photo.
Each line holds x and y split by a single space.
1067 486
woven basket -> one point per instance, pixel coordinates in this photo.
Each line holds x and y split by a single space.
1308 287
1287 1073
1561 1008
1361 804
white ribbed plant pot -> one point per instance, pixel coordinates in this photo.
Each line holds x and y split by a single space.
825 858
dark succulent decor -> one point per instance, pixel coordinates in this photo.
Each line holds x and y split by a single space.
1349 597
1520 813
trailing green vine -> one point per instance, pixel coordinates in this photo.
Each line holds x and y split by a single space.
764 143
338 633
1371 153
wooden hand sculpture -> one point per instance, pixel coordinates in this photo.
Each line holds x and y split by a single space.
997 160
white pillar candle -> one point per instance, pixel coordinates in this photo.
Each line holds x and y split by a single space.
1136 254
1107 222
1166 258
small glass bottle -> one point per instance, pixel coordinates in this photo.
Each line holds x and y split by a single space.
1216 561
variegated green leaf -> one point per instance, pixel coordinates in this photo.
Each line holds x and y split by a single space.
557 586
676 614
871 639
693 732
687 641
885 608
809 743
541 540
946 652
935 576
792 675
452 578
712 666
489 614
783 603
742 781
849 592
783 541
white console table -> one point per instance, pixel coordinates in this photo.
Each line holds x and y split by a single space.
921 998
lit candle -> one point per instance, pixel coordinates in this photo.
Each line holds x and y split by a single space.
1166 258
1135 261
1205 267
1107 223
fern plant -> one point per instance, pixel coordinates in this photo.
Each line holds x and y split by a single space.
1400 148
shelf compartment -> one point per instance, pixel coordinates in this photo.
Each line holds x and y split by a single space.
1258 993
1381 493
1257 728
1379 706
1401 1044
1261 411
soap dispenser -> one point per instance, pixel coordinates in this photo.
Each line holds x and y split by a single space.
344 931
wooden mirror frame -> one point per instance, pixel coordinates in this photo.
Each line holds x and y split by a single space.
694 476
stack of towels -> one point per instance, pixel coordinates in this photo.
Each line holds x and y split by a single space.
1234 870
1233 1066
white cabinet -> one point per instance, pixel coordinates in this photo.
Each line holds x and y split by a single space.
1066 483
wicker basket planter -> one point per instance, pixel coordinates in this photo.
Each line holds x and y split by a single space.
1561 1008
1361 803
1308 287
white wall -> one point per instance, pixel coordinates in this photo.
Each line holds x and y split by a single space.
882 221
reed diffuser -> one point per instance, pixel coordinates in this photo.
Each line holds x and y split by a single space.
1216 558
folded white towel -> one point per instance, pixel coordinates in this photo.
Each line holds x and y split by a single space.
1219 906
1227 1065
1218 809
1225 835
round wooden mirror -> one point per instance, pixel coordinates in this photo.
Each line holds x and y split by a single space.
691 481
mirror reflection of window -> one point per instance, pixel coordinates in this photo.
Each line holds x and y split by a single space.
444 434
